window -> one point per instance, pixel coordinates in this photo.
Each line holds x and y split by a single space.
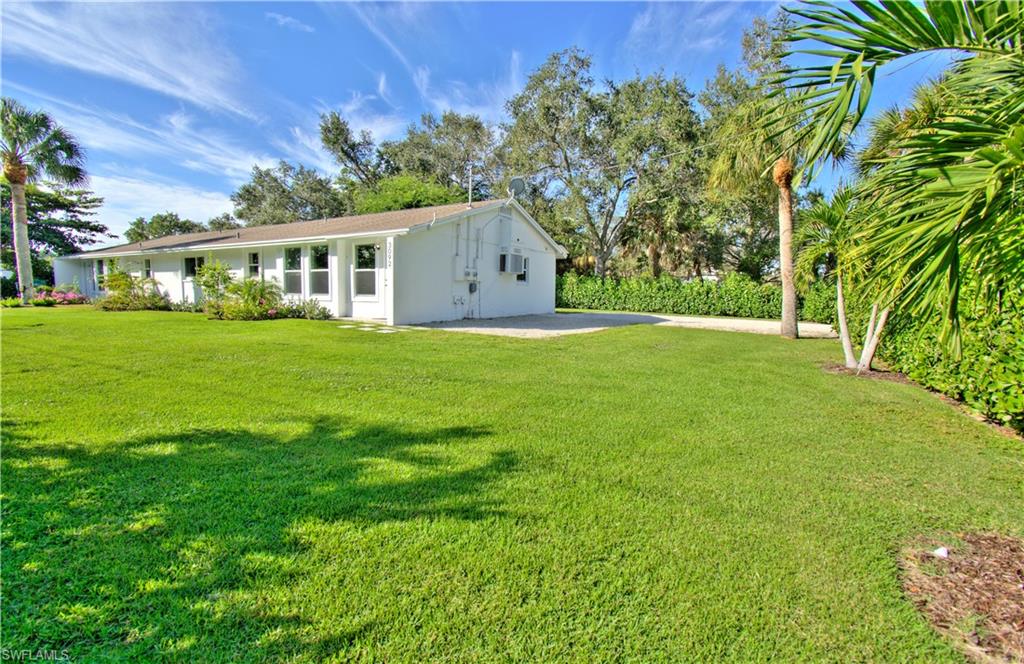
524 276
99 274
293 271
147 269
192 265
319 279
366 269
254 264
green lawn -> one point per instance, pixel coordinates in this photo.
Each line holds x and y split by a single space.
185 489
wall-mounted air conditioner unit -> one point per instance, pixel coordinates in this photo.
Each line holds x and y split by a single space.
510 263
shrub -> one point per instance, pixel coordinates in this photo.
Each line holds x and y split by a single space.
8 287
309 309
819 303
214 277
735 295
186 307
43 301
62 294
129 293
313 310
251 299
10 302
988 377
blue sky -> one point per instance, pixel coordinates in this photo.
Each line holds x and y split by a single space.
175 102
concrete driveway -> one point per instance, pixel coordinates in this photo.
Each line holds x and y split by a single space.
541 326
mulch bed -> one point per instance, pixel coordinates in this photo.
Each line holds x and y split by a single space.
975 596
875 374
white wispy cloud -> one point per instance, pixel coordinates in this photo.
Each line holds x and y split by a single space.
302 144
156 46
176 137
386 22
382 88
485 99
360 113
289 22
380 19
140 193
668 30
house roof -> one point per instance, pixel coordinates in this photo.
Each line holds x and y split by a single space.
365 224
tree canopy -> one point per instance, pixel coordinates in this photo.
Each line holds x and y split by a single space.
159 225
288 193
60 222
401 192
448 150
592 147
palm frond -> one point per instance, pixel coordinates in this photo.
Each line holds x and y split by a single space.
31 139
876 34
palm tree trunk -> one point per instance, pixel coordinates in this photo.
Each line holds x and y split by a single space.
654 257
783 177
844 330
873 337
22 252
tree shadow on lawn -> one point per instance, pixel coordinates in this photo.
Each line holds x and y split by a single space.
182 545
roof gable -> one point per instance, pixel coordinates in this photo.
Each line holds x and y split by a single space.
560 251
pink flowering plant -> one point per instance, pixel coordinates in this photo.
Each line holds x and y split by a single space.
47 296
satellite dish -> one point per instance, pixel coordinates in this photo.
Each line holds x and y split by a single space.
517 187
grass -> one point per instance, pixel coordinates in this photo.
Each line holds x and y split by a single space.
183 489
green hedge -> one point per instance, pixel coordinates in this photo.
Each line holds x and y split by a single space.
736 295
989 377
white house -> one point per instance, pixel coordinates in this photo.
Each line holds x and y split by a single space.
439 263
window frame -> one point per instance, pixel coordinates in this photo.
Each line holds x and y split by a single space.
258 264
147 268
287 271
356 295
198 261
524 276
318 270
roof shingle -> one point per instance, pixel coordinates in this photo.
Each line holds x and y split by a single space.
397 220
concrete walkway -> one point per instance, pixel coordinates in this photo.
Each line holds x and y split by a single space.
541 326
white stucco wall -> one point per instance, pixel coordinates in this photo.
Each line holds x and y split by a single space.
421 276
70 271
430 268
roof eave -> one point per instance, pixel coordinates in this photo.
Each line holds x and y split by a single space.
97 254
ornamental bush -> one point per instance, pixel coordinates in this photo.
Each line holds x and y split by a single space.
126 292
988 377
251 299
255 299
735 295
62 294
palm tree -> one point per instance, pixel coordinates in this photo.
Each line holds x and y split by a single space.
825 244
33 146
947 199
828 240
746 143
